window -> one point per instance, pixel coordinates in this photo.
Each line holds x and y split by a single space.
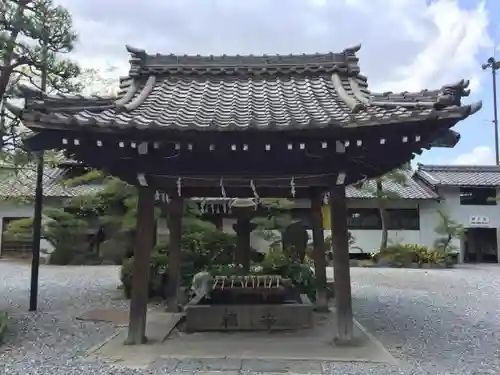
369 218
478 196
363 218
403 219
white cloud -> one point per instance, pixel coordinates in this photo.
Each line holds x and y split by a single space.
407 44
481 155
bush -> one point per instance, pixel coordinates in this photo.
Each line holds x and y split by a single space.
404 255
276 262
113 251
157 276
66 232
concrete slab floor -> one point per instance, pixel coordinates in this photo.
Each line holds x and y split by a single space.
300 352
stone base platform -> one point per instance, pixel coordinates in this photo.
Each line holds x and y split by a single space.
315 344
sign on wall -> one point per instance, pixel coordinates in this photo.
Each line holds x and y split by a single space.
479 220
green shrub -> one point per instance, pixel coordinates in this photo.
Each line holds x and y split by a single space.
276 262
113 251
157 269
67 233
404 255
398 255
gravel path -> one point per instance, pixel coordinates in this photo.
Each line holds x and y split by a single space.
435 322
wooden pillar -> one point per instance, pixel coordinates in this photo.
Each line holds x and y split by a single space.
319 255
342 276
140 273
175 214
243 229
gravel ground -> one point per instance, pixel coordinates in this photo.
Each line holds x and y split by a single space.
435 322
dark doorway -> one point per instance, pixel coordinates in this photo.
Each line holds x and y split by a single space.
480 245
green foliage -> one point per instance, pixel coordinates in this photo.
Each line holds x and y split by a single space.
89 177
375 188
63 230
19 230
114 206
447 229
114 250
329 246
68 234
276 217
276 262
33 35
157 271
404 255
295 239
203 247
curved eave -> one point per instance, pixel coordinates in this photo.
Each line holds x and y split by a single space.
38 121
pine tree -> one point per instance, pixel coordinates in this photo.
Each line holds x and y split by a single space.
376 189
33 35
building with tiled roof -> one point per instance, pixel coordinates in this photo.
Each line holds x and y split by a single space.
19 183
459 175
413 215
469 195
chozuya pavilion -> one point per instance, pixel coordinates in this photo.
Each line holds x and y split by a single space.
294 126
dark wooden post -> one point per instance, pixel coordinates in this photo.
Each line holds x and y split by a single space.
342 276
243 229
175 214
140 277
319 255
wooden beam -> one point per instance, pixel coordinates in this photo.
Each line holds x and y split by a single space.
319 255
175 214
140 277
341 270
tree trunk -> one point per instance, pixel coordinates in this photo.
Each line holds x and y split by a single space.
383 216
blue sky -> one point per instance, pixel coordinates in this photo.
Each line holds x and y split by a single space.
476 131
408 45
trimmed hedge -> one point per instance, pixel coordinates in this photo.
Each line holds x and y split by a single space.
3 325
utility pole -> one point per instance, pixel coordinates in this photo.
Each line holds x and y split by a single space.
494 65
37 215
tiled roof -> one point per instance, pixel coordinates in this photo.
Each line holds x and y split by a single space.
21 183
242 92
412 189
451 175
